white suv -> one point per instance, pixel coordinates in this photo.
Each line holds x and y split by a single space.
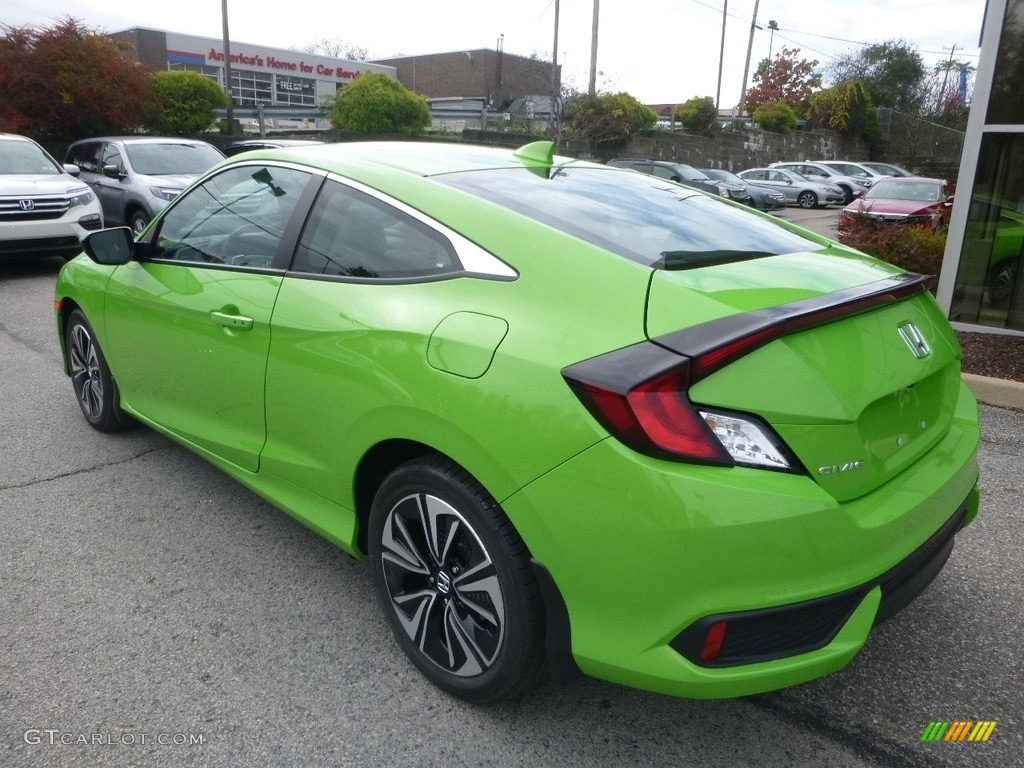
44 209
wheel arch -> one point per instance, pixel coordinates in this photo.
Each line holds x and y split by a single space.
64 308
382 459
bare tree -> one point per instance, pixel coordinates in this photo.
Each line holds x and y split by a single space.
336 48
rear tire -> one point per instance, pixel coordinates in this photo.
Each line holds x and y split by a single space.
94 387
455 582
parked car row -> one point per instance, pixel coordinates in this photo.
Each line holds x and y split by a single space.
807 184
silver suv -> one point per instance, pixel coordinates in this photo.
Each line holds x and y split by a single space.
44 209
135 177
852 186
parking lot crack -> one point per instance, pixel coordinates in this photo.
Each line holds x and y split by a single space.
869 745
72 473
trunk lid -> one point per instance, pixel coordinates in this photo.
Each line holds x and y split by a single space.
854 393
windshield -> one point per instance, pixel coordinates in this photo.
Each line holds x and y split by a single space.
25 158
639 217
896 189
155 159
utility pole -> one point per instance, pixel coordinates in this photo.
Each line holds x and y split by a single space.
746 67
774 27
593 52
554 77
721 57
227 67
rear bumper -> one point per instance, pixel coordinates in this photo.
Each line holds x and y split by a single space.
642 549
775 633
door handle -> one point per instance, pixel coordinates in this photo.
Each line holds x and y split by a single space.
234 322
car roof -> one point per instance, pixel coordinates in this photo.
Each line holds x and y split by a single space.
913 180
143 140
414 158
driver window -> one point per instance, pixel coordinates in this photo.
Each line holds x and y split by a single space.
235 218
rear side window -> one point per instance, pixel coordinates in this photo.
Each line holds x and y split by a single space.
639 217
87 157
353 235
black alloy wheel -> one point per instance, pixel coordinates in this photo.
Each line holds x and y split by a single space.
94 387
455 582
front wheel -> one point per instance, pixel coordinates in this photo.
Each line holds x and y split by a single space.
455 582
90 377
138 221
807 199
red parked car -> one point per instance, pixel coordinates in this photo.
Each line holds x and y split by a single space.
914 201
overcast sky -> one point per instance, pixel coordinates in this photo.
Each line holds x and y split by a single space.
661 51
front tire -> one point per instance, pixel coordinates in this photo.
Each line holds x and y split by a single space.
455 582
807 199
90 377
138 220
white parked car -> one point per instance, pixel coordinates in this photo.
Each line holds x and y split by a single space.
44 208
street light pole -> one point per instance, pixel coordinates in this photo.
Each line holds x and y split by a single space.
774 27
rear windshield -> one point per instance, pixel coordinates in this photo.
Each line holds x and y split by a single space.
153 159
640 217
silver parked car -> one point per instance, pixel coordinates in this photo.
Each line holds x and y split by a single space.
856 170
853 186
798 189
135 177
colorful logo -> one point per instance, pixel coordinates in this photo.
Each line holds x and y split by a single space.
958 730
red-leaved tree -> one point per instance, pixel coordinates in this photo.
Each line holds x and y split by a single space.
68 82
783 78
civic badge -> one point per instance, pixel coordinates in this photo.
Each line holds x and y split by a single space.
915 339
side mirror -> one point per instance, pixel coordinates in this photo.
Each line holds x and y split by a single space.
110 247
71 168
111 171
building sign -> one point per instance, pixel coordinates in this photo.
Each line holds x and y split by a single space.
303 87
285 65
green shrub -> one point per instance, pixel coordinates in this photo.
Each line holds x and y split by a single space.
376 104
610 119
188 100
699 115
915 249
778 117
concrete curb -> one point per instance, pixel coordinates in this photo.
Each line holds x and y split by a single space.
998 392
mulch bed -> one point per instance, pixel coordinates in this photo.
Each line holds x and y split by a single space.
996 355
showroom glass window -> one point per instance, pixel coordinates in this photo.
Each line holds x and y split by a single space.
988 289
236 218
251 88
297 91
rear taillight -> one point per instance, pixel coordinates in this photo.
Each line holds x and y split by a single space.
655 416
640 393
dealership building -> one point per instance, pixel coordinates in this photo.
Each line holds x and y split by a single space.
260 76
981 285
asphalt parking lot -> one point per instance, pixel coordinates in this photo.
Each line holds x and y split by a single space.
155 613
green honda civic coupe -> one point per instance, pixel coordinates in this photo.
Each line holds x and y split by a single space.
576 418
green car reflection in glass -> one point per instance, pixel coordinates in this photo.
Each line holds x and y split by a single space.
576 418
